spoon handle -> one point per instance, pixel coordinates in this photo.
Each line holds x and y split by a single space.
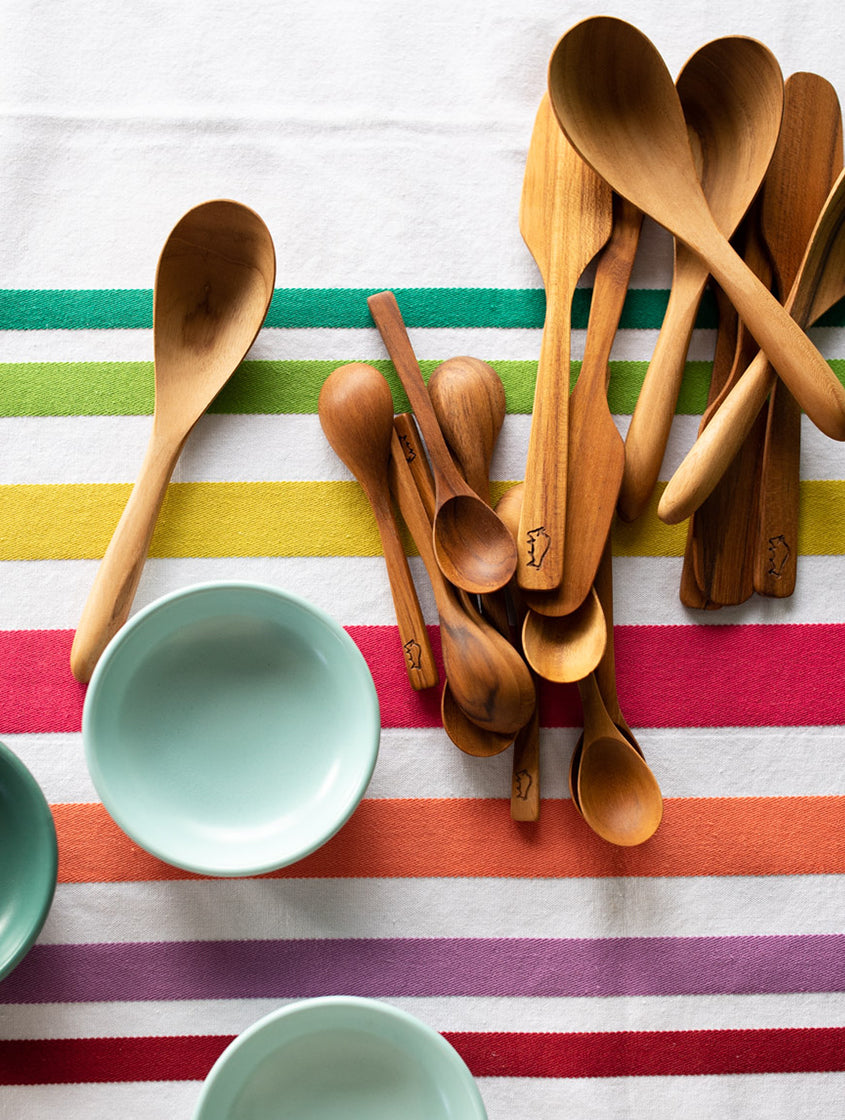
715 447
525 772
648 435
388 318
800 365
110 598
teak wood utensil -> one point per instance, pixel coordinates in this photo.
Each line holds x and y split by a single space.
731 94
618 105
213 286
807 160
355 407
565 218
820 283
724 524
596 451
618 795
560 648
487 677
473 548
469 402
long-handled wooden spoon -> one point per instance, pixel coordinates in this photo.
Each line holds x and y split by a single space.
487 677
565 218
617 103
213 286
820 283
596 455
807 160
356 414
731 93
473 548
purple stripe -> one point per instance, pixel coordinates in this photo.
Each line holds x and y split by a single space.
627 966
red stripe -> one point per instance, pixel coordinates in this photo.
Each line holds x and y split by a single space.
669 676
488 1054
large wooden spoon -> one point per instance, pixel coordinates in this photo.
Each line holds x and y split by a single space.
731 93
356 413
565 218
473 548
617 103
487 677
819 285
806 162
213 286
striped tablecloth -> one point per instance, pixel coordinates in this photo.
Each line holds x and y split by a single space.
701 974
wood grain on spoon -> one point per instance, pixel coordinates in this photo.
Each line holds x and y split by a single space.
731 94
213 286
618 105
564 218
473 548
806 162
819 285
596 452
356 414
486 675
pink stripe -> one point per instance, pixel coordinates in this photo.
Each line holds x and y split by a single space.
669 676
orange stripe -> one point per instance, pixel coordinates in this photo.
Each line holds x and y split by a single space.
476 838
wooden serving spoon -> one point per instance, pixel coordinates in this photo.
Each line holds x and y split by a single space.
487 677
617 103
213 286
565 218
731 94
473 548
618 795
596 455
356 413
806 162
819 285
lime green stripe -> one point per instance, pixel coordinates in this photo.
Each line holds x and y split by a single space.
132 308
126 388
64 522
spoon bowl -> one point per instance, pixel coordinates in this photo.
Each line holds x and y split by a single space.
469 401
213 287
480 742
565 648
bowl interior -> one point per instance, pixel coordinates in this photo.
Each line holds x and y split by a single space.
28 860
231 729
340 1058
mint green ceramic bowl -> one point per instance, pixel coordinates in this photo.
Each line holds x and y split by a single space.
340 1058
28 860
231 728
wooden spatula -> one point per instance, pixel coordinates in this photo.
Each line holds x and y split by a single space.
565 218
807 159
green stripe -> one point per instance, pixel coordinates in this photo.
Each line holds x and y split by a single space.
132 308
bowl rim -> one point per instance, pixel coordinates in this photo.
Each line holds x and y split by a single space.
92 699
43 821
431 1037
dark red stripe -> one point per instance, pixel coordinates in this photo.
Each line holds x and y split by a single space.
488 1054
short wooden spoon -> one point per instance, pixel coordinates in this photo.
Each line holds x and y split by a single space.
473 548
617 103
618 794
487 677
731 93
356 413
213 286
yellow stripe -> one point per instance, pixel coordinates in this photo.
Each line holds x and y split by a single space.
64 522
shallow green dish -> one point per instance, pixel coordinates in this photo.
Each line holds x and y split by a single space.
340 1058
231 728
29 859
